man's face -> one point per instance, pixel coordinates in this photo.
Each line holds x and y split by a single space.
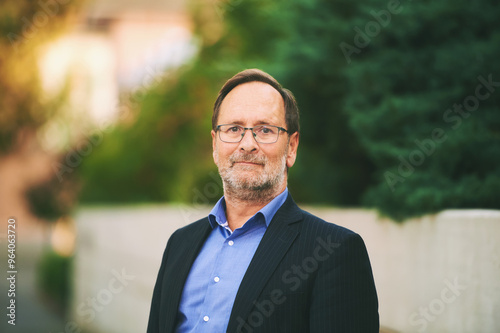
249 165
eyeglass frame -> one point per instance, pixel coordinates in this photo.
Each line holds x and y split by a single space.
217 129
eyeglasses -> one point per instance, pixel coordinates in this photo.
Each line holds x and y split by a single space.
232 133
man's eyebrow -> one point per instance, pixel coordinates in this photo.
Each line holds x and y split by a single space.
239 122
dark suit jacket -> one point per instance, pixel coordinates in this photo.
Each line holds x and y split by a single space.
307 275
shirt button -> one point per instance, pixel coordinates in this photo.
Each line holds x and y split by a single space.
231 243
206 318
216 279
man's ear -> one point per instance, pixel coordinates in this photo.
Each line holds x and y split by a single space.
214 144
293 145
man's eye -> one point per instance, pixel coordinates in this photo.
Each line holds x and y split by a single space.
266 130
233 129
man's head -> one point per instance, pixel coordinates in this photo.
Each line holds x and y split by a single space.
255 167
256 75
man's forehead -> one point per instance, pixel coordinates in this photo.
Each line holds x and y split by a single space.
253 92
253 99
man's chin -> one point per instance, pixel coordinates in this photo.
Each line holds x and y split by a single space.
251 188
247 183
246 173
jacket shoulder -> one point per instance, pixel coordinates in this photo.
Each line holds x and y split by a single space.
189 231
193 226
312 224
316 225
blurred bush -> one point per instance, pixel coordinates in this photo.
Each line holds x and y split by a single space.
371 77
164 154
25 27
53 280
54 197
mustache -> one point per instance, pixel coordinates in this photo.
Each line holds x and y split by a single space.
238 157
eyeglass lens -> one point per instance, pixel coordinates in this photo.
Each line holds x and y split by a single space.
262 133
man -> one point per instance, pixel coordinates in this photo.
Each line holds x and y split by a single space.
258 263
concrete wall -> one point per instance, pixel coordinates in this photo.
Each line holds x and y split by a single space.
435 274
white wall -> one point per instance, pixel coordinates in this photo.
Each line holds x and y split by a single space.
415 263
436 274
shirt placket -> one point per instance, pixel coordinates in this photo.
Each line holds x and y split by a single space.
217 276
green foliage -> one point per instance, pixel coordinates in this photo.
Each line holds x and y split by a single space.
362 108
54 279
25 26
403 88
332 166
165 154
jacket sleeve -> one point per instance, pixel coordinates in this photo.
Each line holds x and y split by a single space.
154 313
344 298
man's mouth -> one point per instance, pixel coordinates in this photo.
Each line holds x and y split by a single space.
247 163
245 160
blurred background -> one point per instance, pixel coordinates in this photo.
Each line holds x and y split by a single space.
105 147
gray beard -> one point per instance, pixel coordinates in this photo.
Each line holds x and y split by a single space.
260 189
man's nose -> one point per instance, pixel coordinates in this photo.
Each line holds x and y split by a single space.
248 142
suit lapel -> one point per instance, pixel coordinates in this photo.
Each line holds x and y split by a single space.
276 241
185 254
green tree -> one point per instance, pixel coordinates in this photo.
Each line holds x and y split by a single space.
332 165
415 105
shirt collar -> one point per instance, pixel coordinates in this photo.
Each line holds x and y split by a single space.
218 213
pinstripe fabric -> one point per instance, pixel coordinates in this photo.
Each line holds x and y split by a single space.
307 275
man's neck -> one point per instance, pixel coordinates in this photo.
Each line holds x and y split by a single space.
238 211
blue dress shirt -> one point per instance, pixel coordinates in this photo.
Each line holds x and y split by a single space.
216 274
